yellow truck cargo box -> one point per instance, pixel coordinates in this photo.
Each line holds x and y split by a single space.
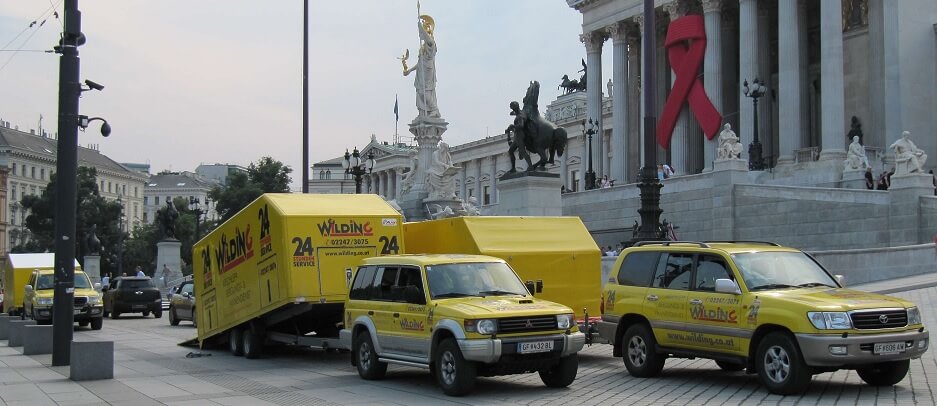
557 251
288 259
16 273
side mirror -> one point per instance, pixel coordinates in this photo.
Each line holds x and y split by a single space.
727 286
186 294
97 286
413 294
841 279
530 287
29 288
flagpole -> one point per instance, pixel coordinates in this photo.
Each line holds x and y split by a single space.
396 120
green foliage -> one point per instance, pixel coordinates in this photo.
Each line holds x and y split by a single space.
266 176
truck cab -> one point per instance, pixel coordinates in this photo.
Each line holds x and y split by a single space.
460 316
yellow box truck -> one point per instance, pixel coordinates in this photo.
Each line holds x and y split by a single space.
16 273
279 269
555 256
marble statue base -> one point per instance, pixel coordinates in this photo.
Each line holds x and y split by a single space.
529 194
440 208
923 181
853 180
730 165
92 268
412 206
167 253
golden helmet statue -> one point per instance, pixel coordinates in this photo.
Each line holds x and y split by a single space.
428 24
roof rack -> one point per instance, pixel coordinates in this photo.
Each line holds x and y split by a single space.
667 243
773 244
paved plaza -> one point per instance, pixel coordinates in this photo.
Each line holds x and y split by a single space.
151 369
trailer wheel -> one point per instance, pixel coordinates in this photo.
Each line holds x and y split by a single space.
366 358
235 344
252 343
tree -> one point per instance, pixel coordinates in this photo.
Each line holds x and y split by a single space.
266 176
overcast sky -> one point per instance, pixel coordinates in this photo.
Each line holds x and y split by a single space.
190 82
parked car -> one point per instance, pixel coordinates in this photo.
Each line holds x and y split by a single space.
38 293
131 294
182 304
460 316
768 309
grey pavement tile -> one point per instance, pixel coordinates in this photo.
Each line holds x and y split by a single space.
241 401
191 402
32 402
75 396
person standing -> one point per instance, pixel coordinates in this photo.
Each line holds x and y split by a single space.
869 179
106 280
140 273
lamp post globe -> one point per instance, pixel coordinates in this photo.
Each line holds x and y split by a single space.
755 91
357 169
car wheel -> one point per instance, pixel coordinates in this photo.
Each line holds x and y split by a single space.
366 358
730 366
780 366
252 343
885 373
454 374
173 320
235 343
97 323
562 374
115 315
158 314
640 355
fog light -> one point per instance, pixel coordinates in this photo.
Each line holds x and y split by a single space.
922 344
838 349
95 310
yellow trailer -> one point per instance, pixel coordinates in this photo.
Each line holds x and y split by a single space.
16 272
556 256
279 269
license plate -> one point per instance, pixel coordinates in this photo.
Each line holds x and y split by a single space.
888 348
534 347
77 311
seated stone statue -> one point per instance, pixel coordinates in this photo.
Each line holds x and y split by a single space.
470 207
908 157
440 175
729 146
856 160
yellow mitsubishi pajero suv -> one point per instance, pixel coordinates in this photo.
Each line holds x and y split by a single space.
459 316
769 309
37 299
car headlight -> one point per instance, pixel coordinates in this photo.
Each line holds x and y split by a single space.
914 316
44 301
564 321
93 300
830 320
484 326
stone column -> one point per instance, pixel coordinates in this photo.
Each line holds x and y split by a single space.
398 174
642 107
392 180
679 142
564 168
891 27
789 80
765 104
802 40
748 67
494 179
464 178
712 70
620 102
593 41
479 188
831 81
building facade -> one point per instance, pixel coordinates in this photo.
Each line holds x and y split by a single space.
218 173
168 186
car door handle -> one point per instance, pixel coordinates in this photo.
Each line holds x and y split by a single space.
396 314
696 301
370 312
652 298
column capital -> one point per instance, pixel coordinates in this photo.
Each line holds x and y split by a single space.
639 20
675 9
618 31
593 40
710 6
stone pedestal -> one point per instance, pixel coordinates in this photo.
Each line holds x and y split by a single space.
920 184
530 194
436 205
903 211
725 174
428 132
168 254
853 180
92 268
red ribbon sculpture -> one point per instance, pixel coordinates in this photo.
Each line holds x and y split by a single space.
686 48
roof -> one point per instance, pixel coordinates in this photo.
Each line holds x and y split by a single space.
332 205
176 180
430 259
513 235
48 146
37 260
729 247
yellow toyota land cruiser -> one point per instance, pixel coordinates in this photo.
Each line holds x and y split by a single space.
459 316
769 309
37 299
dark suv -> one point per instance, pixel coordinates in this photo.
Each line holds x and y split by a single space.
132 295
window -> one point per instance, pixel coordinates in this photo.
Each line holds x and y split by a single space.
409 287
328 174
146 219
42 173
637 268
123 190
471 192
136 283
135 189
321 174
32 190
386 278
360 289
109 184
574 175
673 271
187 288
146 200
13 189
487 196
710 268
102 185
33 173
14 168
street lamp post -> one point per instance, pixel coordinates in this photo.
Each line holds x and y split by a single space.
756 161
356 168
120 236
649 185
587 132
196 207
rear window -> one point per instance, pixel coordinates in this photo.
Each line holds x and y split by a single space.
137 284
638 268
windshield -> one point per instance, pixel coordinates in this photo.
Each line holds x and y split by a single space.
473 279
81 281
47 281
775 270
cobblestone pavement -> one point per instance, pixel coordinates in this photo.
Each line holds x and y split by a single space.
151 369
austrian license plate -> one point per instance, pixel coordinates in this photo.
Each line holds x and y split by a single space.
77 311
888 348
534 347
